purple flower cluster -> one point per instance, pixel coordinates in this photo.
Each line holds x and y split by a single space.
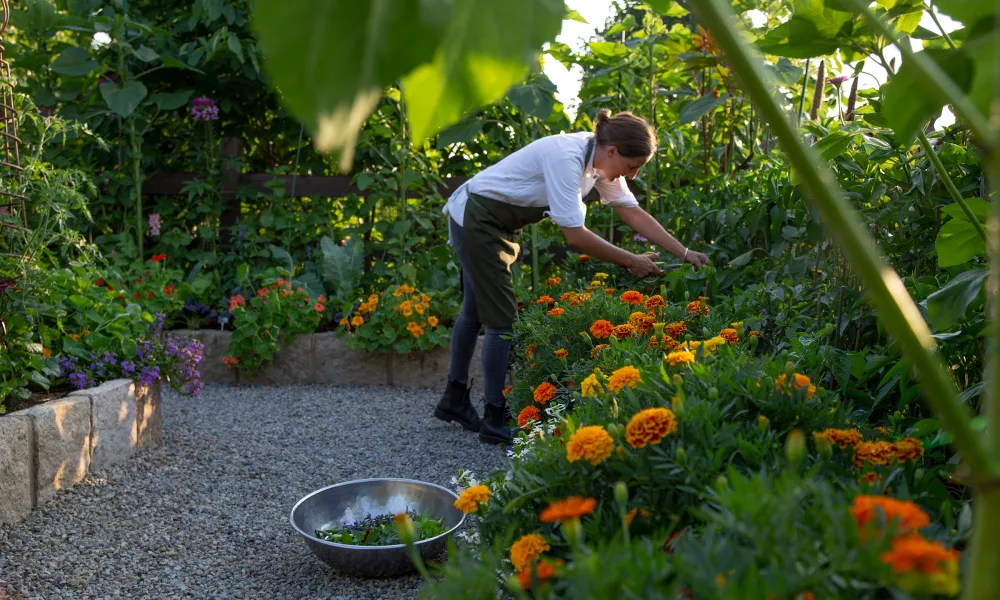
639 238
166 357
154 224
204 109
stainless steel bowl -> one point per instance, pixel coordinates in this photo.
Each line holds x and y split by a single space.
352 500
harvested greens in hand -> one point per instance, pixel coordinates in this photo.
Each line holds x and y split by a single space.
379 530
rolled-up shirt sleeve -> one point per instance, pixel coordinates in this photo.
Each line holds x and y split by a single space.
615 193
563 173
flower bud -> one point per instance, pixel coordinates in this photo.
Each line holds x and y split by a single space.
721 483
621 493
658 329
705 333
713 393
680 455
918 474
763 423
620 452
824 446
677 405
830 327
795 446
621 430
753 341
405 528
897 416
687 295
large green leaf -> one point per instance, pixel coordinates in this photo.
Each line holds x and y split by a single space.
123 99
486 49
834 145
967 11
332 59
536 98
699 107
172 100
74 61
828 21
958 241
609 50
908 103
947 306
460 132
342 265
797 38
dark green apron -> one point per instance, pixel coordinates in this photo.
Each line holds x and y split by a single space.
490 235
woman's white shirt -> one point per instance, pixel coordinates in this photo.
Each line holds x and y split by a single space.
547 172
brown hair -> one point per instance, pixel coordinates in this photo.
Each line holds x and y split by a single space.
632 135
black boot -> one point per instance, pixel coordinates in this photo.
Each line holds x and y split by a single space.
494 428
456 406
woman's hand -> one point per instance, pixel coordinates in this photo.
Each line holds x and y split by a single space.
696 259
642 265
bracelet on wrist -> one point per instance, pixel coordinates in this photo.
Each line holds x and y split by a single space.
686 250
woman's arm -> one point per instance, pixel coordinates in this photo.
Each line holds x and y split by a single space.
588 242
648 227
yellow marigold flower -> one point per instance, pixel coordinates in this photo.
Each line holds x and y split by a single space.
675 330
713 343
528 413
419 308
624 331
649 426
632 297
802 382
398 292
555 312
561 353
921 566
591 386
601 276
358 321
544 392
595 282
432 321
625 376
841 437
554 281
425 298
373 299
526 549
730 336
573 507
592 443
470 499
344 322
406 308
601 329
680 357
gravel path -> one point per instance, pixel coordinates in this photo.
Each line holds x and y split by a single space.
206 515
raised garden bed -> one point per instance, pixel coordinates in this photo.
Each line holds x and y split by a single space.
55 444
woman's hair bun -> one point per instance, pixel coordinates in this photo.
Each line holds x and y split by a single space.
603 116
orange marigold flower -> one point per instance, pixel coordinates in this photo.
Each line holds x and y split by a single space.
623 331
566 296
561 353
526 549
875 453
802 382
555 312
543 569
632 297
908 516
528 413
654 302
641 321
630 515
530 351
841 437
546 300
680 357
915 554
649 426
432 321
470 499
908 449
508 390
871 478
730 336
544 392
358 321
675 330
579 299
584 258
553 281
669 344
625 376
597 349
601 329
344 322
573 507
609 291
592 443
753 333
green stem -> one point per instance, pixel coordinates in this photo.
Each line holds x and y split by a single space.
137 183
935 81
948 183
534 258
896 308
802 97
947 38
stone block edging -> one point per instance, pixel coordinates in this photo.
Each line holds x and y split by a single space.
322 358
54 445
